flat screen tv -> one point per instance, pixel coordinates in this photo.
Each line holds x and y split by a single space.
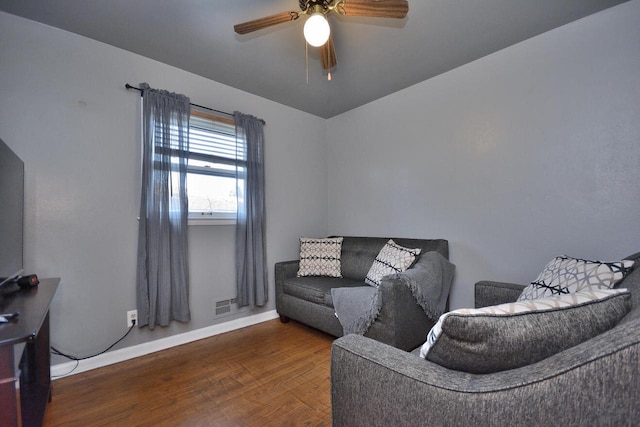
11 214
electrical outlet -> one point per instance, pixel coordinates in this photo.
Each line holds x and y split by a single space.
132 316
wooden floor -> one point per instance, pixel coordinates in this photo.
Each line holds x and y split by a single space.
270 374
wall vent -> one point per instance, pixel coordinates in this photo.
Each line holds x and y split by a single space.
226 307
222 310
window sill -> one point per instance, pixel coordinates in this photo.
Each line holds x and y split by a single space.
210 221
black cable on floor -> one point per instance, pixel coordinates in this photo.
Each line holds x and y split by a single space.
67 373
78 359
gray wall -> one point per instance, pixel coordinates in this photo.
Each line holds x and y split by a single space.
64 110
515 158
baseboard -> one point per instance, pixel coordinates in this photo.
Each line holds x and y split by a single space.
65 369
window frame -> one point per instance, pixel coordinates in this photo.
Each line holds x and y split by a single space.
219 218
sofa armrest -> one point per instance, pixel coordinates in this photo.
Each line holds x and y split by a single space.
412 301
373 384
284 270
489 293
401 322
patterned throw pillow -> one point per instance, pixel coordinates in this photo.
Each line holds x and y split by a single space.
320 257
564 275
391 259
508 336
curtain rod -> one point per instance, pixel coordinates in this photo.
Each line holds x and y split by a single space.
128 86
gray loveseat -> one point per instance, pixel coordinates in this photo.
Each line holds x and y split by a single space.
401 323
596 383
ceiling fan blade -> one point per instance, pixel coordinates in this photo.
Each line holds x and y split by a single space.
267 21
328 54
374 8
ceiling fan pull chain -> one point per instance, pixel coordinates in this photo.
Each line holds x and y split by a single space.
306 58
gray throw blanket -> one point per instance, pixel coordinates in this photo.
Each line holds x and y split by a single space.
429 280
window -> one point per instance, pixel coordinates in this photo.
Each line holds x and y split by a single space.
211 170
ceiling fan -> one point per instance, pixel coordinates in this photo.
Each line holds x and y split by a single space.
316 30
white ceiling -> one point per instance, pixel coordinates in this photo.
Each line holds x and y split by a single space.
376 56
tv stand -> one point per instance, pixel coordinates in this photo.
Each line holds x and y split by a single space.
25 366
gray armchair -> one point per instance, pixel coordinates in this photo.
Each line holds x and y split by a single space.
594 383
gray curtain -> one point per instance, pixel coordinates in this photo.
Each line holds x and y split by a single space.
251 271
163 274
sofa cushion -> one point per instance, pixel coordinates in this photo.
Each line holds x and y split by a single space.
391 259
564 275
316 289
509 336
320 257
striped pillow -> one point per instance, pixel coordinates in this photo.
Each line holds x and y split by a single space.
391 259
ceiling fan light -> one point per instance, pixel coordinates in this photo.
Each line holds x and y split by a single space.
316 30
